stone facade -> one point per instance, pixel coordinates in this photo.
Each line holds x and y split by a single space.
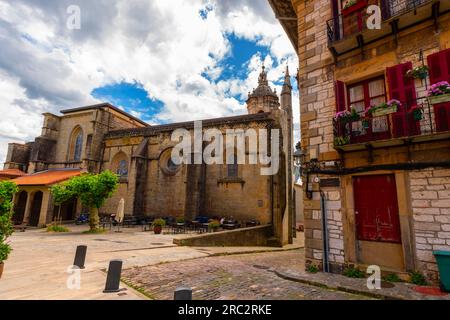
421 183
430 196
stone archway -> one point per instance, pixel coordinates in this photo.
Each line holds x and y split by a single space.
19 208
35 210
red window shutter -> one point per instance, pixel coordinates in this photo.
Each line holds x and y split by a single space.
439 64
401 87
339 92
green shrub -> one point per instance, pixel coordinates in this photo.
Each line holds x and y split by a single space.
57 228
214 225
312 268
418 278
181 219
159 223
392 277
7 191
352 272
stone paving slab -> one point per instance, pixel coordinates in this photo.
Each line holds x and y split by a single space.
399 291
233 277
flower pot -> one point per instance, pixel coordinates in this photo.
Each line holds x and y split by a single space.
1 269
157 229
443 262
384 111
439 99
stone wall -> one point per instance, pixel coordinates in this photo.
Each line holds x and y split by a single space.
254 236
430 196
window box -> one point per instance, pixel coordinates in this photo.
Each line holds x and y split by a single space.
384 111
439 99
349 8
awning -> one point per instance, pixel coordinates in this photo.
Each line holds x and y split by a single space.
46 178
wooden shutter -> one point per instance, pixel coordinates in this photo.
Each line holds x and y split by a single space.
340 94
439 64
403 89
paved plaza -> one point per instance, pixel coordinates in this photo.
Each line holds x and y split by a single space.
37 267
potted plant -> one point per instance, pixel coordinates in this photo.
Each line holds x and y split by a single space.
341 141
365 123
214 225
420 72
385 108
439 93
443 262
347 116
7 191
417 113
158 224
181 220
351 6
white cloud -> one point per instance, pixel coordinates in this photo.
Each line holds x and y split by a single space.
164 45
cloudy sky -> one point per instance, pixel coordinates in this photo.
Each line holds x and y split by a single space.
161 60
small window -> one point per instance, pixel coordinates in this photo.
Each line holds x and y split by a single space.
232 168
167 165
122 170
366 94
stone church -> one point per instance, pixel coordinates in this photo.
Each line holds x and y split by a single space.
103 137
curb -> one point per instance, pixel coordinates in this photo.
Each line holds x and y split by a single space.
381 296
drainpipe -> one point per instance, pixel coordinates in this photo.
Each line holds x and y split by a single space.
326 264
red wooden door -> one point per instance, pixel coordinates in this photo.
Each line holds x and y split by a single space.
402 88
439 64
376 208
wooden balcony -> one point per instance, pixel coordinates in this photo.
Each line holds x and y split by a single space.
348 32
396 129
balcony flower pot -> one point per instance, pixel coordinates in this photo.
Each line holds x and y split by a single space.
158 224
443 262
417 114
384 111
439 99
353 6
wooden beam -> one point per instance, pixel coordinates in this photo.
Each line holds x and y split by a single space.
435 14
287 18
394 27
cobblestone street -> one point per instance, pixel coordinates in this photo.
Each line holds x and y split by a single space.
236 277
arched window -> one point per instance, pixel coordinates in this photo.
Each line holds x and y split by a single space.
122 170
76 145
119 164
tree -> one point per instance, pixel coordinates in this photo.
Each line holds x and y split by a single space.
7 191
61 193
93 191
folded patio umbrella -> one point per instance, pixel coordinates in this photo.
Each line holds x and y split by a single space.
120 211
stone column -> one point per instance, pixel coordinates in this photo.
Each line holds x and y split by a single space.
44 207
26 215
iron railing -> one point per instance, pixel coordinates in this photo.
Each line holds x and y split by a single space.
345 25
413 118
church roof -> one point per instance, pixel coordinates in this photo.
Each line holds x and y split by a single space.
101 106
263 88
189 125
11 173
46 178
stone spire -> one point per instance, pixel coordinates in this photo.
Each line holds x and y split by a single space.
286 92
263 98
287 87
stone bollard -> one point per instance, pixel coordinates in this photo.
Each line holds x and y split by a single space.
113 278
80 257
183 293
